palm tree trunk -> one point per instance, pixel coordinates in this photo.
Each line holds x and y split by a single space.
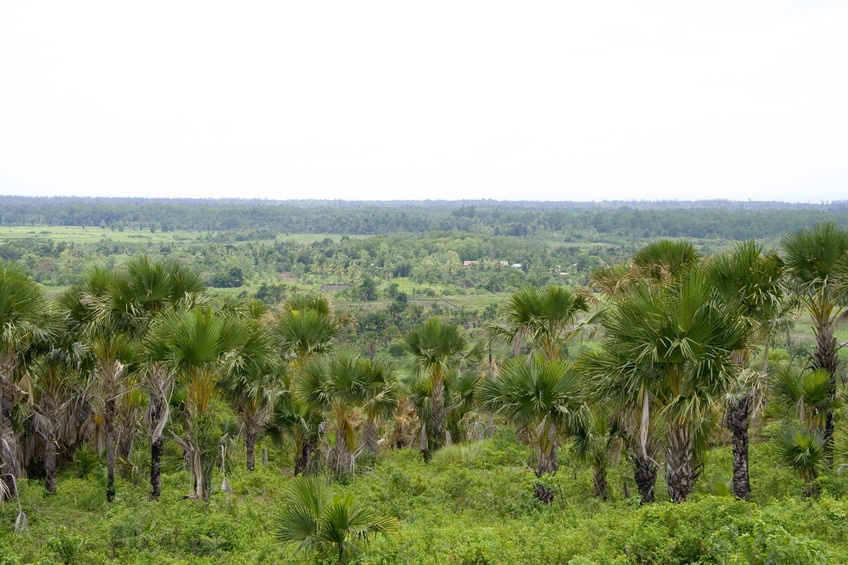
737 421
111 448
250 435
369 436
157 442
303 458
50 463
644 471
599 478
156 446
8 443
681 473
437 415
825 357
342 457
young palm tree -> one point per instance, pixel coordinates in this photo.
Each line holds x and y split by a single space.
194 344
116 355
816 260
437 348
543 398
253 384
299 421
803 450
599 441
341 385
750 282
25 318
806 395
313 520
461 395
668 348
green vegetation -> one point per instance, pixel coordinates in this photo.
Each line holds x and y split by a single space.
677 409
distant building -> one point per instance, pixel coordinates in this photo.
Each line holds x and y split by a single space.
470 263
517 265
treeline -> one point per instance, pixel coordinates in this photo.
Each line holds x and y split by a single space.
715 219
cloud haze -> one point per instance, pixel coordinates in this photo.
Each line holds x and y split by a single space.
447 100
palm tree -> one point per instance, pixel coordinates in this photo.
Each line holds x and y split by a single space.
660 262
460 394
806 395
298 420
339 384
816 260
381 402
50 395
750 282
803 450
543 398
546 319
25 319
599 441
437 348
665 260
102 312
307 326
313 520
669 346
194 344
253 385
150 287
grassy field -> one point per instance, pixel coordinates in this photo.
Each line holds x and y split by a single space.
472 505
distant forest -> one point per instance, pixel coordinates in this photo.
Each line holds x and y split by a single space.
636 219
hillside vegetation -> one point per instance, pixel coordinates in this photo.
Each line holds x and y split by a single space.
252 396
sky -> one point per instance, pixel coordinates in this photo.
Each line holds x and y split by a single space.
398 100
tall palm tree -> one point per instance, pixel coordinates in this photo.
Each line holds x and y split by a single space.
668 348
51 393
104 315
543 397
381 402
305 327
195 345
660 262
437 348
25 319
151 286
816 260
750 282
546 319
308 326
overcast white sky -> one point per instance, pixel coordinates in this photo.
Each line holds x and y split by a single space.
426 100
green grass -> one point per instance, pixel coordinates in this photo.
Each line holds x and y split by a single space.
73 234
473 504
